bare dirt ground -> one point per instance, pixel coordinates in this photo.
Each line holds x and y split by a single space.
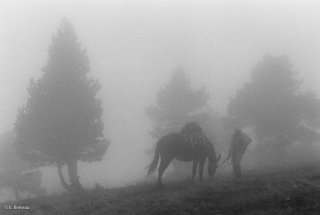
286 191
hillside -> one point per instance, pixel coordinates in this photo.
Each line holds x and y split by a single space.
293 191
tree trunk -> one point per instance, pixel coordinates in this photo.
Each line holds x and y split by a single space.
73 175
62 180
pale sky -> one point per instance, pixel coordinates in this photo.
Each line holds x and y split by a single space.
133 47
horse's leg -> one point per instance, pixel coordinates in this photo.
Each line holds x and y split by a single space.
165 161
194 170
201 165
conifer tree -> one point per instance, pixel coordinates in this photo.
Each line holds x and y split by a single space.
61 122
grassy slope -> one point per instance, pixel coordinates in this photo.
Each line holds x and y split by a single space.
294 191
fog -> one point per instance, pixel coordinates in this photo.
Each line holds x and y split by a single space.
133 48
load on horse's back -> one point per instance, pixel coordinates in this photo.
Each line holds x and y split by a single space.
188 145
192 134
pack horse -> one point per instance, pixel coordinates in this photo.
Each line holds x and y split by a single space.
188 145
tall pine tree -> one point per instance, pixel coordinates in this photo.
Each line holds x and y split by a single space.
273 104
177 104
61 122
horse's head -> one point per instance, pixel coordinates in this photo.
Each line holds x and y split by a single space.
213 165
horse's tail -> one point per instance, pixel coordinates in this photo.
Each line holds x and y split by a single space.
152 167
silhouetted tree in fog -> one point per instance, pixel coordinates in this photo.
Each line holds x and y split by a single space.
276 108
61 123
15 173
176 104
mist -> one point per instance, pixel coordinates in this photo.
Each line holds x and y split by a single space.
135 46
